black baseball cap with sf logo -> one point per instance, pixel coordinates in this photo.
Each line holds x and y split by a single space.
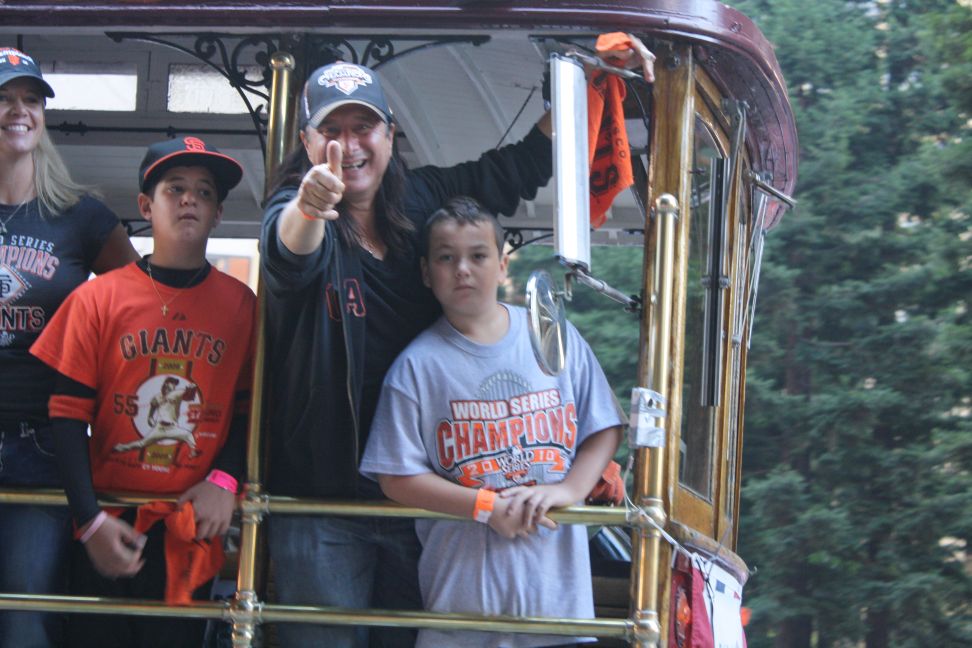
189 151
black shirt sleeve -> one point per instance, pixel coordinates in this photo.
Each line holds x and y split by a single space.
74 466
284 271
499 179
231 459
71 454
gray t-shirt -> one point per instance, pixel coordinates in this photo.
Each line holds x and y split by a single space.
486 416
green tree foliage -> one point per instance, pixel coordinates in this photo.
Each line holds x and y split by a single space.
858 445
857 501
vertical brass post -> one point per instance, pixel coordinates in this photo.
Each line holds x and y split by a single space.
647 563
281 123
246 606
670 158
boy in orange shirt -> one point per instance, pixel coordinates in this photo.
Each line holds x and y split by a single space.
155 357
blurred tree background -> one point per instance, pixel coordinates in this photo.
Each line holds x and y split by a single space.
857 499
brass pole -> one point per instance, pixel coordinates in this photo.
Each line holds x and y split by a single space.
246 606
673 109
613 628
588 515
264 504
650 474
101 605
56 497
280 123
651 480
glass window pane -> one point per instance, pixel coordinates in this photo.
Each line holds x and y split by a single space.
198 88
695 466
109 87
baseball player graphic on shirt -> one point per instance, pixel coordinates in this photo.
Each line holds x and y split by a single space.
167 421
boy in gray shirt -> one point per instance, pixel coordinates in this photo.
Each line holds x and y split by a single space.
468 425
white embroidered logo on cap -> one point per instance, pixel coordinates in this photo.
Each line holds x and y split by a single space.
13 56
346 78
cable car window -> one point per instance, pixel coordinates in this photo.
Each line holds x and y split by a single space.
117 85
197 88
698 420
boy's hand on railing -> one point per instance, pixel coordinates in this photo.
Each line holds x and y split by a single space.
115 549
508 519
531 503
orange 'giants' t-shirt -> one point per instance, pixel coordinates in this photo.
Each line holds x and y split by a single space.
165 385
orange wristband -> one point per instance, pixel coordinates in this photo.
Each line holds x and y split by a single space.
484 505
306 217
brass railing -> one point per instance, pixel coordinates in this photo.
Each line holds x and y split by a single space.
246 612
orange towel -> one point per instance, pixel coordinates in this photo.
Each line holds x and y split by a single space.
610 157
609 489
189 562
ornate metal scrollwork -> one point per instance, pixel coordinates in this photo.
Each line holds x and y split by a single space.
215 51
374 52
136 227
514 236
229 54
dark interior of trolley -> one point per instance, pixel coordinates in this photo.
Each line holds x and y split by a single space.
715 131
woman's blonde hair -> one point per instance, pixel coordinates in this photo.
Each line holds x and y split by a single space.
56 191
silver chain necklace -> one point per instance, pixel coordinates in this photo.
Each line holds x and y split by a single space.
3 223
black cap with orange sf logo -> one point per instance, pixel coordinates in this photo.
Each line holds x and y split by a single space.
189 151
15 64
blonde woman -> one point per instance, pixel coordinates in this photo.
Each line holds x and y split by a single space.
52 236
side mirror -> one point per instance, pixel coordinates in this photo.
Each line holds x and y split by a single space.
547 324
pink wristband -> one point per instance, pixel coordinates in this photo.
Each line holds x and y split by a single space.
223 480
93 527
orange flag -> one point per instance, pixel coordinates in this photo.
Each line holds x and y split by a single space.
189 563
609 153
